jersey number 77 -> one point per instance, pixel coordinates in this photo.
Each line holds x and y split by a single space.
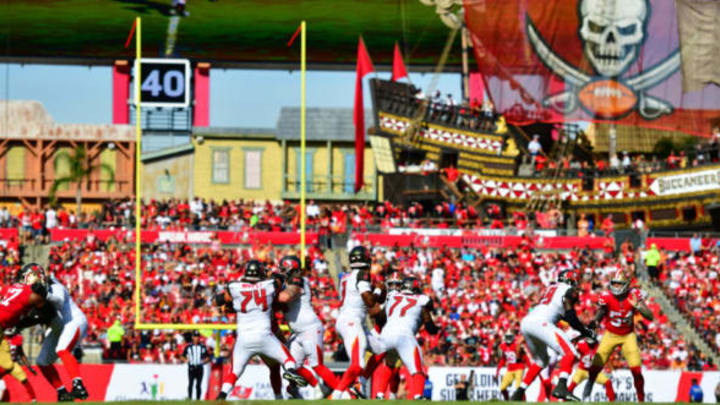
398 299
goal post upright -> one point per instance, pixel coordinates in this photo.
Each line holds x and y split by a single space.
138 168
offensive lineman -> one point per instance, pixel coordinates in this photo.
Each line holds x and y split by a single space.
252 298
405 310
617 310
512 355
541 333
67 327
358 301
306 341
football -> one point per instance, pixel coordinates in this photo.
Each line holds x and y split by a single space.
607 98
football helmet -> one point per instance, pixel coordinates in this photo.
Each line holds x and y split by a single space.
568 277
591 341
32 273
619 283
289 264
254 272
359 258
509 337
394 282
411 285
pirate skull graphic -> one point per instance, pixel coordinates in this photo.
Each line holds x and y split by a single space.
612 32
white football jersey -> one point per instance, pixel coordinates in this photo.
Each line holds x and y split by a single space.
404 312
352 285
253 304
61 300
550 308
301 314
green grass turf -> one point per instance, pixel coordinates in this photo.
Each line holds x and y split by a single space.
328 402
224 30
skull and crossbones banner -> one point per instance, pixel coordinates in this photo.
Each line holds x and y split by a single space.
614 61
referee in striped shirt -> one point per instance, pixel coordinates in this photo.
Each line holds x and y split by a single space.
196 355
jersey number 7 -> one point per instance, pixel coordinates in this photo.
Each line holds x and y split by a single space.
12 294
398 299
260 299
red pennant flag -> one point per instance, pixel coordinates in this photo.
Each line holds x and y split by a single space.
132 32
399 70
364 66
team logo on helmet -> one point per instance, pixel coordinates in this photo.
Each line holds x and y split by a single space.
289 264
567 277
32 273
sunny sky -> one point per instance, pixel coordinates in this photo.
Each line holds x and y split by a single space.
238 98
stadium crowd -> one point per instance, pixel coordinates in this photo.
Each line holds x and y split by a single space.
479 294
692 279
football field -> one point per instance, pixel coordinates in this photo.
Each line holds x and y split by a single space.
325 402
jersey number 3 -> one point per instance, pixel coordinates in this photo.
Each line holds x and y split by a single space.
260 299
398 299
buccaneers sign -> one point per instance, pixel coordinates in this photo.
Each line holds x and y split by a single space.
600 60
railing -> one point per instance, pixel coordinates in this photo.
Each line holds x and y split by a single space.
35 187
336 187
401 99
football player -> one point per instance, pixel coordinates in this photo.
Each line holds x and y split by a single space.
67 326
511 355
358 301
16 301
405 311
306 341
586 347
252 298
616 310
541 333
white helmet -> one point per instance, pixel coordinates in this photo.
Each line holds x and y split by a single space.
619 283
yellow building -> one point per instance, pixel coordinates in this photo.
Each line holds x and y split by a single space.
262 163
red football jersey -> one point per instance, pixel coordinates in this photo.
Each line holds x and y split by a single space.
509 353
586 355
14 303
619 316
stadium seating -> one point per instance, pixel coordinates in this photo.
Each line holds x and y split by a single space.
478 293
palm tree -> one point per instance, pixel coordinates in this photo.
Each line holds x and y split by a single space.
79 171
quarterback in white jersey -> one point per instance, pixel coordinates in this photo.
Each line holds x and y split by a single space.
358 301
66 327
252 299
306 341
405 309
542 334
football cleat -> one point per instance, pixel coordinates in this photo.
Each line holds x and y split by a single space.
78 390
291 375
64 395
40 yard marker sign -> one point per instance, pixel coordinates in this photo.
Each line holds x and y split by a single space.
164 82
